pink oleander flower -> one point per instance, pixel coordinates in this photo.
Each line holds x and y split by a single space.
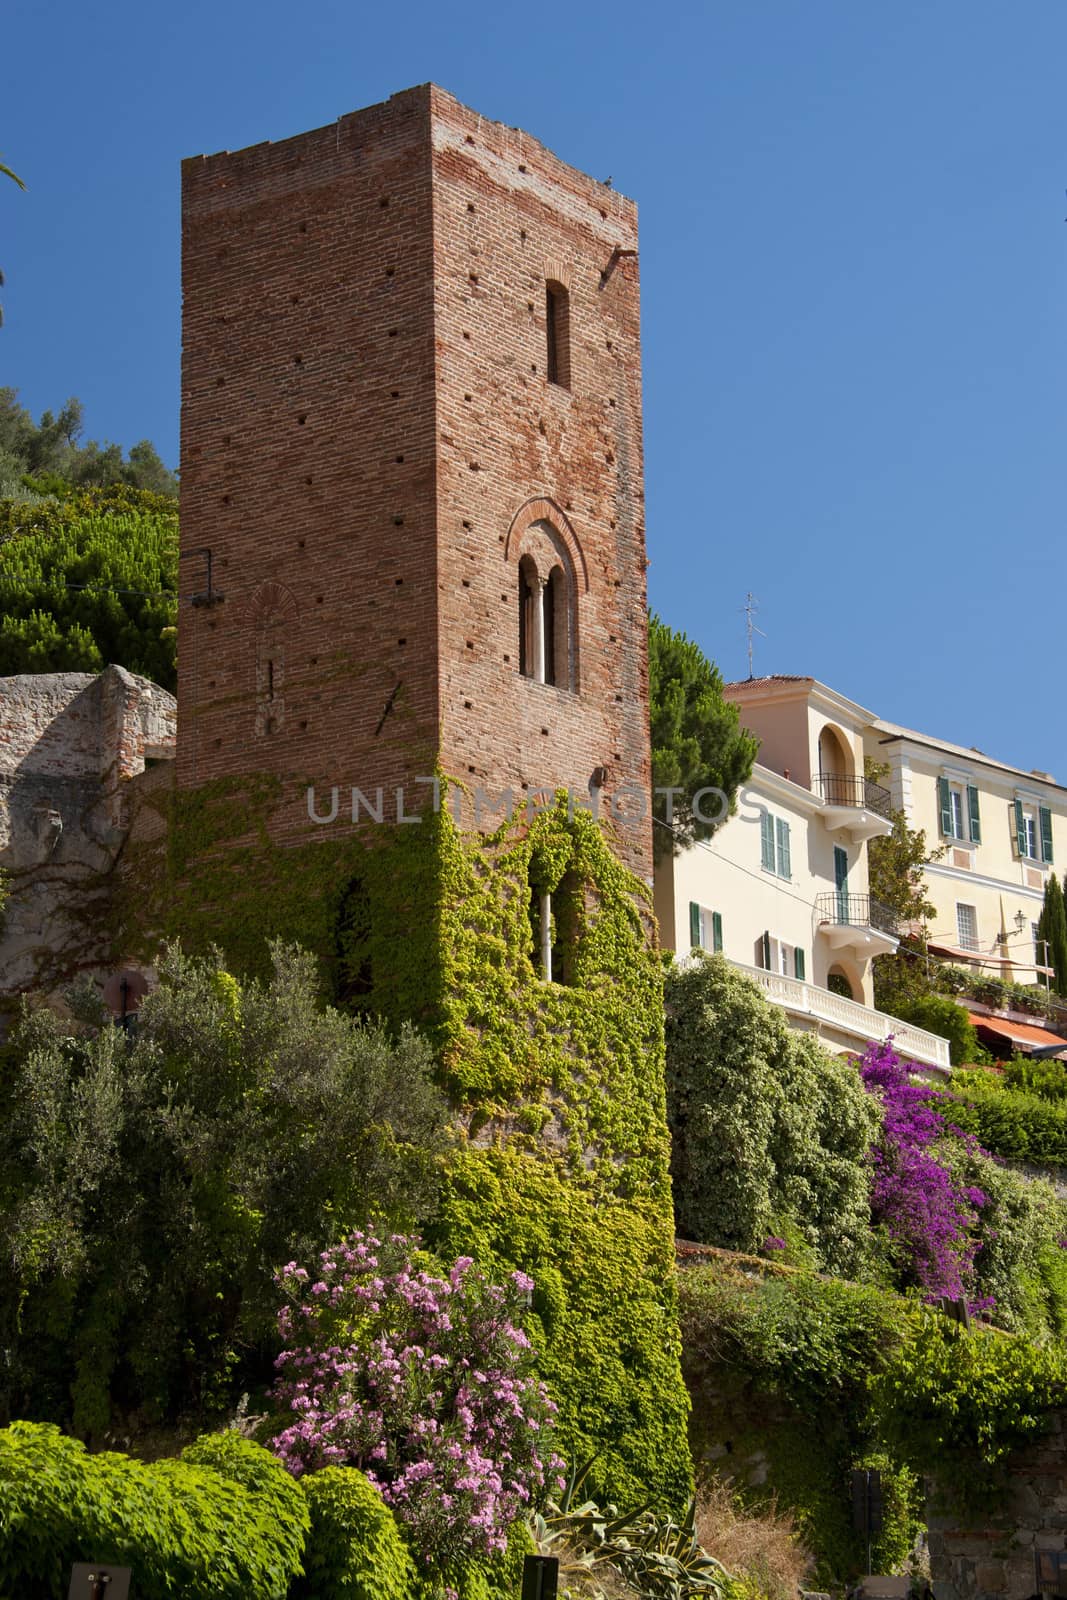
425 1383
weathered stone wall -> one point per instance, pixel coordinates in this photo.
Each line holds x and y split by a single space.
995 1559
71 746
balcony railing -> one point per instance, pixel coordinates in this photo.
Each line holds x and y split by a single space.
857 1022
856 911
863 793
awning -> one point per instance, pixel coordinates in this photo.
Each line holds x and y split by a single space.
975 958
1018 1033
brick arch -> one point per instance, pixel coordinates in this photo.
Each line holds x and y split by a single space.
271 602
544 510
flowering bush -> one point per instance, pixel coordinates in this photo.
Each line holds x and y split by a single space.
422 1382
926 1212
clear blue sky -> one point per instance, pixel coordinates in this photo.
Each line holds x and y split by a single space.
854 279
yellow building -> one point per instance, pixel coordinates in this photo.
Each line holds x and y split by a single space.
782 887
1000 832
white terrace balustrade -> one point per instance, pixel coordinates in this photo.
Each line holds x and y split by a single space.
843 1024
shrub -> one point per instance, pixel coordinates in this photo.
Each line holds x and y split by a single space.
423 1382
769 1132
956 1404
151 1189
939 1014
929 1216
1015 1123
183 1527
354 1549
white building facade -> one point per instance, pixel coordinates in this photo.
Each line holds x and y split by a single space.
782 887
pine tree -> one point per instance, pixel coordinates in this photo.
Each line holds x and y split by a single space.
1052 928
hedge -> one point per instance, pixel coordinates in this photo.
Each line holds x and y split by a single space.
226 1529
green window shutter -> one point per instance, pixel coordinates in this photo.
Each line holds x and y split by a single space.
783 849
974 818
1020 828
716 930
798 963
766 839
1045 816
766 951
944 805
694 925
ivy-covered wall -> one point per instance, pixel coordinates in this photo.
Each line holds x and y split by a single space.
561 1163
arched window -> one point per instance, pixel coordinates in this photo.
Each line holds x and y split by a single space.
836 783
547 614
837 983
528 627
353 975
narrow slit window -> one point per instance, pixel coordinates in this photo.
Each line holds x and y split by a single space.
558 335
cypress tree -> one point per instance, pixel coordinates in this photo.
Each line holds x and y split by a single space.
1052 927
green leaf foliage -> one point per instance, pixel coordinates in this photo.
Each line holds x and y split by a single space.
223 1523
88 580
940 1015
47 456
354 1551
1020 1264
561 1163
769 1132
780 1365
149 1188
697 738
956 1404
1052 927
1013 1123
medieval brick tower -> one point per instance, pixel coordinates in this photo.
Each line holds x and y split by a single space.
413 545
411 444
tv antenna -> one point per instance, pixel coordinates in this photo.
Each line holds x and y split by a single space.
750 607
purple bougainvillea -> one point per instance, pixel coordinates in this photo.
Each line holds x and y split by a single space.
928 1216
422 1382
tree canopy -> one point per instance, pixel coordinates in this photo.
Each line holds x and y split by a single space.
150 1185
697 740
1052 934
90 578
51 456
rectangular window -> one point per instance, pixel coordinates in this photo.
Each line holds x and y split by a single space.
775 853
1045 828
973 815
958 811
782 832
967 926
1030 835
557 334
798 963
705 928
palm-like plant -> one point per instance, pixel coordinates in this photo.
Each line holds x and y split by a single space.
654 1556
7 173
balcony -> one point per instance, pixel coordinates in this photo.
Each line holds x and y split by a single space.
856 806
845 1024
856 922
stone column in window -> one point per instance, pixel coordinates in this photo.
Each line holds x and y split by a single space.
539 629
546 933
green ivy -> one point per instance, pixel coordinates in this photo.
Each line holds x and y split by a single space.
223 1523
557 1088
354 1549
780 1365
955 1404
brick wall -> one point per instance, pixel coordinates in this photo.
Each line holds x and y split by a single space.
370 444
